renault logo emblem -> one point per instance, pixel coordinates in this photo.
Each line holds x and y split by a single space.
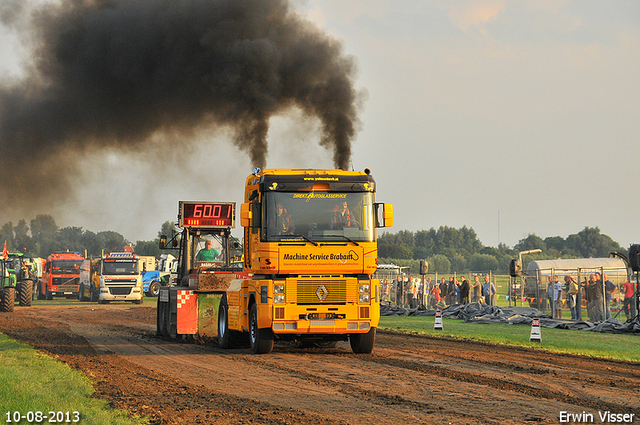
321 293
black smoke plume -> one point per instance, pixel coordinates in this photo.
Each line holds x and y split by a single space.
115 73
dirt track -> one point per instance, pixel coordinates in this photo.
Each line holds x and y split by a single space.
407 379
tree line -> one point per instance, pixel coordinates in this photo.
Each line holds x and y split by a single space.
449 250
446 249
42 236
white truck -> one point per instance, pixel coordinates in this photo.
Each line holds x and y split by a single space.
121 278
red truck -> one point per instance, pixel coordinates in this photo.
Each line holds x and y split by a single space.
61 276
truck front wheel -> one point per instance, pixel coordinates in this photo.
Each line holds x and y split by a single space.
261 339
8 300
154 289
363 343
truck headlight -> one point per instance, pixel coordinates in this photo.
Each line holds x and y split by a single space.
364 288
278 294
364 298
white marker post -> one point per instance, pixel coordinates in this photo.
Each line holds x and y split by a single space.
437 324
535 335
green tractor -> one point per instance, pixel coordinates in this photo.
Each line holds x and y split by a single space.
21 268
7 287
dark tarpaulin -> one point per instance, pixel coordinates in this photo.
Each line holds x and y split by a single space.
482 313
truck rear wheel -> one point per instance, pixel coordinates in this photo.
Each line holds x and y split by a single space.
261 339
363 343
8 300
25 293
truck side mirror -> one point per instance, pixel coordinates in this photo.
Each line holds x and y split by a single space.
386 220
245 214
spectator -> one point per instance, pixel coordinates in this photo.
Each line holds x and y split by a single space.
550 293
428 286
408 291
609 289
556 297
629 305
385 290
439 302
477 290
464 290
431 303
489 290
417 295
571 291
451 292
595 306
399 286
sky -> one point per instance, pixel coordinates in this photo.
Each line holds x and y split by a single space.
508 117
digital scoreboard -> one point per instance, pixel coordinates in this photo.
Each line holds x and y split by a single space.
207 214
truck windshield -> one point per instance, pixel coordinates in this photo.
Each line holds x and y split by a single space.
66 266
119 267
318 216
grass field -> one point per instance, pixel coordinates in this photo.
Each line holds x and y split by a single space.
610 346
33 382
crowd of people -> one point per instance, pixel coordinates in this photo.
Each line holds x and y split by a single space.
596 294
410 292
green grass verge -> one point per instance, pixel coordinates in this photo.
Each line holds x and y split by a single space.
609 346
32 382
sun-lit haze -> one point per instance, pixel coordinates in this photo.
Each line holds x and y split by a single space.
509 117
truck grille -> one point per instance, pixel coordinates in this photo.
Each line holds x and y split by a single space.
57 281
120 290
324 291
67 289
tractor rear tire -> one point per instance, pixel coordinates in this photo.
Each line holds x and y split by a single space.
25 293
8 300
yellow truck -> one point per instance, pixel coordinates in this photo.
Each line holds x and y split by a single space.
310 251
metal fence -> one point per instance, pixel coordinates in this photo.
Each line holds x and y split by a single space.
591 302
531 290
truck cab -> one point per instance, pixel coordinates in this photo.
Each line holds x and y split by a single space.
310 247
120 278
61 276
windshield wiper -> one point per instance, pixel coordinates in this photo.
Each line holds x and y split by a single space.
305 238
349 239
